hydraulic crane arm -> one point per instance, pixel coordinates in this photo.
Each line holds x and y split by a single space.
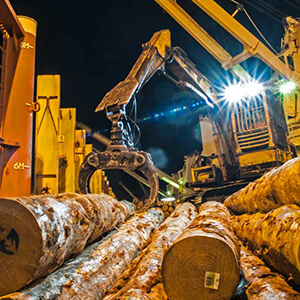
150 61
156 56
182 67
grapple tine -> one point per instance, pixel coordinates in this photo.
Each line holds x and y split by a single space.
130 160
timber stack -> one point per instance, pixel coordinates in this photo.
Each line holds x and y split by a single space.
188 256
275 236
275 188
140 279
38 233
93 272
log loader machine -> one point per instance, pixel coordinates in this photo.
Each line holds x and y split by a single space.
285 64
254 129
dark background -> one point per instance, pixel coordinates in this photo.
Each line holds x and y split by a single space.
94 44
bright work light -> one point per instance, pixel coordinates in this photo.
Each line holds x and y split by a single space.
237 92
234 93
168 199
253 88
287 87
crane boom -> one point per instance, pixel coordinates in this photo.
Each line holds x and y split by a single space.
252 45
202 37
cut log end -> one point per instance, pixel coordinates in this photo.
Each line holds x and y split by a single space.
207 266
20 245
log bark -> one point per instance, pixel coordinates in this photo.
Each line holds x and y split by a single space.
278 187
145 271
275 236
263 283
203 263
93 272
38 233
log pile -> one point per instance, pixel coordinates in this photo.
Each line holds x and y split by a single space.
203 263
142 279
275 236
278 187
166 206
263 283
93 272
186 258
38 233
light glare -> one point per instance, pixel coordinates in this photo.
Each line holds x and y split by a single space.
168 199
237 92
234 93
253 88
287 87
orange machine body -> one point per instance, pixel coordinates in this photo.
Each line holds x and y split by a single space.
16 112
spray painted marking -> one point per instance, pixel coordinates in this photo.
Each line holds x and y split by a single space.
24 45
20 166
9 241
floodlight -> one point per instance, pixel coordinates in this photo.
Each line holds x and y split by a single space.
234 93
287 87
253 88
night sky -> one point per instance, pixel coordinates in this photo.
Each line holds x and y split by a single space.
94 44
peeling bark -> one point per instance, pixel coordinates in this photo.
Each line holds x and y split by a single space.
275 237
275 188
263 283
203 262
38 233
144 272
93 272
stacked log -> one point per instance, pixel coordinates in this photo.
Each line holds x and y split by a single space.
142 280
203 263
168 206
275 236
263 283
278 187
94 271
38 233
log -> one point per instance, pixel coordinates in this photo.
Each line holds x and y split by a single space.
145 271
203 262
38 233
275 188
263 283
94 271
274 236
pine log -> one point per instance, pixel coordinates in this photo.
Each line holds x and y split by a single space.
95 270
203 263
145 271
275 236
38 233
277 187
263 283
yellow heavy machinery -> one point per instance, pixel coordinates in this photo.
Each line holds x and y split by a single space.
285 64
258 136
226 165
16 101
58 147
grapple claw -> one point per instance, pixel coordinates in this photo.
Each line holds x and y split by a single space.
122 160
